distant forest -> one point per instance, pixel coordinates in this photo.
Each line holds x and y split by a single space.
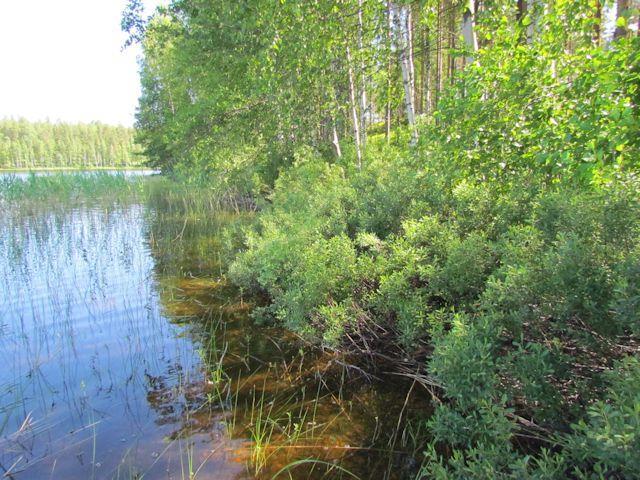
25 144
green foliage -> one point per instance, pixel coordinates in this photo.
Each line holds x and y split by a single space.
602 445
301 255
527 110
505 243
44 145
607 440
464 360
521 294
385 185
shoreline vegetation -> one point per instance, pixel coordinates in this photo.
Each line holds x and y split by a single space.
442 194
448 194
62 186
239 400
140 167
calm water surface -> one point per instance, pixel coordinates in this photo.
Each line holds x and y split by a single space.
22 175
125 355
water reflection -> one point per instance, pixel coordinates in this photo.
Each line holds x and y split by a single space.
82 334
23 175
126 354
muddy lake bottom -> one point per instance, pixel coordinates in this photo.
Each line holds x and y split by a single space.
126 354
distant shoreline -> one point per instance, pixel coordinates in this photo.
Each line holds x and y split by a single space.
71 169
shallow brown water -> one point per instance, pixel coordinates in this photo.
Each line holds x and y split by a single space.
126 354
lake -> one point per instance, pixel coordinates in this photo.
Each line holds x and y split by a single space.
126 354
21 174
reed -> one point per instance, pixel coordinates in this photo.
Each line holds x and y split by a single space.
332 468
67 186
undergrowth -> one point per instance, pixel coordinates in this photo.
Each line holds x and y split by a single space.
502 262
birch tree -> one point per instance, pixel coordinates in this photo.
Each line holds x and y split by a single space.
468 31
400 21
622 19
353 108
363 79
389 17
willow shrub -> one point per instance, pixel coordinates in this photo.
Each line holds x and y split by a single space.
300 253
508 241
523 293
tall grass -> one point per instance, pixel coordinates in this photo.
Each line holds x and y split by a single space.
67 186
173 195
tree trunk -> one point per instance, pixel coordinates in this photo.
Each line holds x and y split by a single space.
412 69
469 33
363 86
389 65
438 88
522 10
419 78
425 74
621 28
401 37
451 58
336 140
354 110
532 8
597 23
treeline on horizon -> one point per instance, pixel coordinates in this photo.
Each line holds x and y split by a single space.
45 144
452 186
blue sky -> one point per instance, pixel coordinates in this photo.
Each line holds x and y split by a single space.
62 60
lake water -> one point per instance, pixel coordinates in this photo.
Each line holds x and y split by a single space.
125 354
21 174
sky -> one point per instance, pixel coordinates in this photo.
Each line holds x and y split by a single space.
63 60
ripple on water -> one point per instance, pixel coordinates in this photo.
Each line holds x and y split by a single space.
126 353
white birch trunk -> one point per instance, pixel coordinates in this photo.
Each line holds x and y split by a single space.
621 29
468 32
533 24
363 86
401 46
412 70
390 41
336 139
354 110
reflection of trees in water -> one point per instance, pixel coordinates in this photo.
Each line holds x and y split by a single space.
79 324
63 231
185 404
187 234
241 362
183 244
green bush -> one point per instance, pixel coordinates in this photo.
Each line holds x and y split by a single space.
507 245
300 253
